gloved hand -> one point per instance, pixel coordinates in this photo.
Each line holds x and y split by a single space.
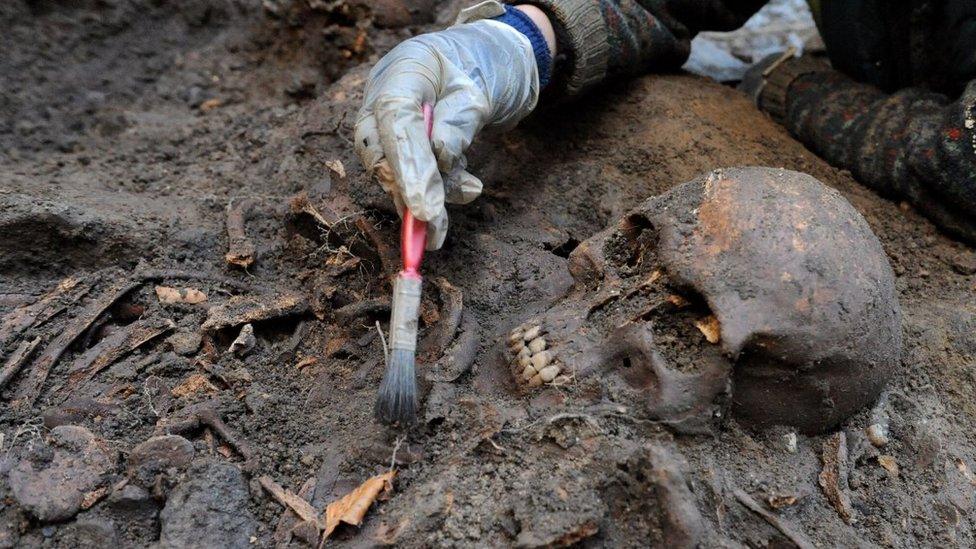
477 75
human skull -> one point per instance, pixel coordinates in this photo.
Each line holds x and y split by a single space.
758 284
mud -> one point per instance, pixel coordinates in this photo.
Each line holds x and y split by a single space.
129 127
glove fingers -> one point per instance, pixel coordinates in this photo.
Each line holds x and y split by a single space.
403 136
366 140
437 231
458 117
460 187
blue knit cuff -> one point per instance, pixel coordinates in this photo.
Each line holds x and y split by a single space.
521 22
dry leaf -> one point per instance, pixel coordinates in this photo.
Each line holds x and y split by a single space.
352 507
195 384
833 477
889 464
211 104
780 501
293 501
170 296
337 167
677 301
93 497
306 362
710 327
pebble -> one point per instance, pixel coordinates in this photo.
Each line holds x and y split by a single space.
877 434
524 361
790 440
532 333
518 346
538 344
515 336
535 381
528 373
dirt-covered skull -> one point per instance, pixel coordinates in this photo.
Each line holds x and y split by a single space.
755 283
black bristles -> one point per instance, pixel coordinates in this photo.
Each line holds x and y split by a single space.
396 403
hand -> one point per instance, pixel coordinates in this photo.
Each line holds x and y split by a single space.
477 75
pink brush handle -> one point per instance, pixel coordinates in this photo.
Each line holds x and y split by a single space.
413 232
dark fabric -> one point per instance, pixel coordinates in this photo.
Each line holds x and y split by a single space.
914 144
893 44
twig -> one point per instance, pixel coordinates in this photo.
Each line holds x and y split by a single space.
17 360
784 526
386 351
240 249
396 447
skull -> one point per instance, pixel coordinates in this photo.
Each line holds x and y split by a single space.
752 288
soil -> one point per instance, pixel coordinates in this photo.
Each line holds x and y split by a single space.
129 126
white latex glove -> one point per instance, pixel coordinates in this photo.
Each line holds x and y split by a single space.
477 75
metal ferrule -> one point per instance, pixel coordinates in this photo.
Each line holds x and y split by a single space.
406 310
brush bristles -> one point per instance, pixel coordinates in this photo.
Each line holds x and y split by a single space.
396 402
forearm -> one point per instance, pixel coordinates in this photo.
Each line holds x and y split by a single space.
542 21
602 39
912 145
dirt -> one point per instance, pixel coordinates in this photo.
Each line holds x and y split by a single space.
129 126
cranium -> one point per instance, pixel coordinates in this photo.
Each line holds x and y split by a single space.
758 284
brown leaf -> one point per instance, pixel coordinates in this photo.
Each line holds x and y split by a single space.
170 296
780 501
93 497
677 301
833 477
710 327
889 464
211 104
195 384
337 167
352 507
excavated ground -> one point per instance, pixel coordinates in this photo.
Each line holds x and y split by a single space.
131 128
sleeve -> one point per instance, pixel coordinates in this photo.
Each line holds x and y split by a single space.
601 39
912 145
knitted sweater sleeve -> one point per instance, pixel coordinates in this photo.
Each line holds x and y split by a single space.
601 39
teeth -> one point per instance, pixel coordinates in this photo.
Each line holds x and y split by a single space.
549 373
540 360
532 362
536 345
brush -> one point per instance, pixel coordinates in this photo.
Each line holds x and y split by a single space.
396 402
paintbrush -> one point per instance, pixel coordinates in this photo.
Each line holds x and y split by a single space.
396 402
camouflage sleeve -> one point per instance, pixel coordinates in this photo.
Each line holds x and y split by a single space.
600 39
912 145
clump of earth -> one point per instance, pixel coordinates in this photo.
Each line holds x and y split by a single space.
194 278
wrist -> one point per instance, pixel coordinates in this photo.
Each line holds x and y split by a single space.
527 20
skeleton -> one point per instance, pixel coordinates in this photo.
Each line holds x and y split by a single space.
793 295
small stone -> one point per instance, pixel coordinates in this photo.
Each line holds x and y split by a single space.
525 352
541 360
789 440
210 508
535 381
156 456
532 333
524 361
50 479
185 343
538 344
528 373
245 341
516 335
877 434
549 373
517 346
